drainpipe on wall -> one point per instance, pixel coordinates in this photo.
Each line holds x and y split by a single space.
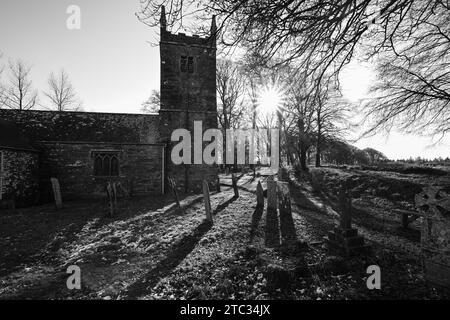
1 175
162 169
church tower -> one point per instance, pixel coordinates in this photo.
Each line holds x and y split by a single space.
187 94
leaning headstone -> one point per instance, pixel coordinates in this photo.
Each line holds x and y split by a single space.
207 200
434 205
56 192
173 186
259 195
235 187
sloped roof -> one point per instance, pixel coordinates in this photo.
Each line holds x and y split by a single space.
11 137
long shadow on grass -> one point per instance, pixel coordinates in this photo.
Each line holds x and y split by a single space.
256 217
177 253
222 206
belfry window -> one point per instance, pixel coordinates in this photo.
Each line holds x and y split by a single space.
106 163
187 64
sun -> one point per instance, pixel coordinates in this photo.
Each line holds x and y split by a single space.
270 99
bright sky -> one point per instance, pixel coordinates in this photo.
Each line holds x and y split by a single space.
356 80
109 61
114 69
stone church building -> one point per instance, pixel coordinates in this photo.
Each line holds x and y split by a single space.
85 150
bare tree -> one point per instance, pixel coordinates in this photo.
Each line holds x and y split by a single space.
2 87
301 104
331 115
230 91
152 104
61 93
322 36
19 93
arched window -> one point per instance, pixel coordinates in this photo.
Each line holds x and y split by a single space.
106 163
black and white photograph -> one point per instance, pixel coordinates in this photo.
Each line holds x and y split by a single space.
223 156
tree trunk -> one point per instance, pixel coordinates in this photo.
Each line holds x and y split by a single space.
318 145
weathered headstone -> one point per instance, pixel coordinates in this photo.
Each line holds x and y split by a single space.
207 201
272 224
287 227
434 205
218 184
111 191
173 186
259 195
317 176
234 183
56 192
272 195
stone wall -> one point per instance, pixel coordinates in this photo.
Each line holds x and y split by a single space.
20 176
140 168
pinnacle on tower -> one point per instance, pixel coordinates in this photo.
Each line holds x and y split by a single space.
213 27
163 21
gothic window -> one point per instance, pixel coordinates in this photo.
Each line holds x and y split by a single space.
187 64
190 64
106 164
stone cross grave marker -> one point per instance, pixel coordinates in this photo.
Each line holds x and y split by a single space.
345 206
234 183
259 195
173 186
344 239
207 200
56 192
434 205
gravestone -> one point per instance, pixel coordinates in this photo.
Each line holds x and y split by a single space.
272 224
207 201
259 195
218 184
111 191
344 239
317 177
345 207
235 187
272 195
56 192
173 186
287 226
434 205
